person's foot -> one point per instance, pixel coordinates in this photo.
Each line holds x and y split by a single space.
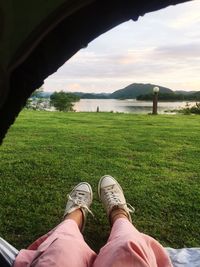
79 199
112 196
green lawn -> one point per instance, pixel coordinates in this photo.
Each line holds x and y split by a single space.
155 158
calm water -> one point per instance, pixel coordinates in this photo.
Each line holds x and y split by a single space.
127 106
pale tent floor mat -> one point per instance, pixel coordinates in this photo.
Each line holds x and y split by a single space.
184 257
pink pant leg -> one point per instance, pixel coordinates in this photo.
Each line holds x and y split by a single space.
127 247
64 247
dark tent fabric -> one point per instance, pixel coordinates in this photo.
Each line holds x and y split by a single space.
37 37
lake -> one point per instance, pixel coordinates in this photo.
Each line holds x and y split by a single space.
127 106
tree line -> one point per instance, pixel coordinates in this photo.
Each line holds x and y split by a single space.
61 101
171 97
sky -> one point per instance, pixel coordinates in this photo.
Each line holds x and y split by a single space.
161 48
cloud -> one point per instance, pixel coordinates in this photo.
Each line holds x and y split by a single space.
188 18
163 47
184 51
146 61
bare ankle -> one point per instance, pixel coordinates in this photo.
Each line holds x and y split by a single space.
77 216
116 214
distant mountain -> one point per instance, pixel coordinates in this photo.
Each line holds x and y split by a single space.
131 91
92 95
184 92
45 94
135 89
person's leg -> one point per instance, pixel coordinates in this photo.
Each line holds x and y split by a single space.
64 246
126 246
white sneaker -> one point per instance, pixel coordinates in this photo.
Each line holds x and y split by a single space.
112 196
80 198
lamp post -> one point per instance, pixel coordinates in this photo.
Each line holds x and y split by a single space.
155 100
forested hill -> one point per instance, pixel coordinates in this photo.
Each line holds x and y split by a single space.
138 91
135 89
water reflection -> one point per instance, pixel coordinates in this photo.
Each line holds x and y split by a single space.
127 106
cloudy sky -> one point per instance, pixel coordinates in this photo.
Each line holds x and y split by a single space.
162 48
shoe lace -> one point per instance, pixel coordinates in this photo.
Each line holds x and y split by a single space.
113 200
130 208
80 201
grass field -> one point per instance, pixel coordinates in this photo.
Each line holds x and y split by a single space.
155 158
